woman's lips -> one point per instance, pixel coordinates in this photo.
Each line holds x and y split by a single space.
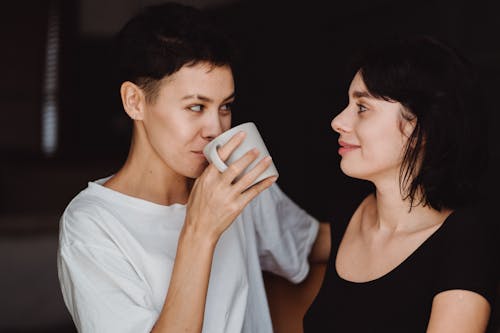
198 153
346 147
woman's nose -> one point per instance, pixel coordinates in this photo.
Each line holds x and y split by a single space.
212 127
340 123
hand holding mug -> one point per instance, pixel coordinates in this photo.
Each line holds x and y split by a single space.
217 198
252 140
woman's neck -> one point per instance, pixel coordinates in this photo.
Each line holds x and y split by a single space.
395 214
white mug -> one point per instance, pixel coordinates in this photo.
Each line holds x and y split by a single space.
252 140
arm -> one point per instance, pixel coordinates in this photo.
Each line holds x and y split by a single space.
185 302
467 277
288 302
459 311
214 203
320 252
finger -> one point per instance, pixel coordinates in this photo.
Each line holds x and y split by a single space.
226 149
209 171
254 173
237 167
254 190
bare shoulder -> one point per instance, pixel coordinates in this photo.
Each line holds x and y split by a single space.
365 211
459 311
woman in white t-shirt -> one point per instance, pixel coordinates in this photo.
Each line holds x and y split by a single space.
168 243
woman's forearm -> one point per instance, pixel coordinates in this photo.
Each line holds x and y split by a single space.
184 305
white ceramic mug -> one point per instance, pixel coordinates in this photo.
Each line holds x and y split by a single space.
252 140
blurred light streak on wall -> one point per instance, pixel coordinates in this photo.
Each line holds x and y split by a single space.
50 114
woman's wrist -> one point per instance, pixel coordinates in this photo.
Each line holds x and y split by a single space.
204 238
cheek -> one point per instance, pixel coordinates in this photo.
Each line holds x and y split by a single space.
165 132
157 125
383 146
226 122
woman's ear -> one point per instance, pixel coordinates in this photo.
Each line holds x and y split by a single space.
133 100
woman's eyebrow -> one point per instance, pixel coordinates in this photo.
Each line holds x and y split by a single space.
205 98
360 94
229 97
200 97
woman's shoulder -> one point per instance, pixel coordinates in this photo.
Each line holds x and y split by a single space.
473 221
468 251
470 234
84 217
349 212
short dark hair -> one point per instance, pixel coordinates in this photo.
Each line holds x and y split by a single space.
439 89
163 38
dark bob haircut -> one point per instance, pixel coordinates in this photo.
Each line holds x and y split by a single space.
439 90
163 38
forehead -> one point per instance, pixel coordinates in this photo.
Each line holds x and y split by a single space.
357 88
201 78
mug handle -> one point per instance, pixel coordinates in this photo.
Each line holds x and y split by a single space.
216 160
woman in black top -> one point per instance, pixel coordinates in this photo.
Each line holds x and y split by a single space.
417 254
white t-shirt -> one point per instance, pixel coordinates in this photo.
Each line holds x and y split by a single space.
116 255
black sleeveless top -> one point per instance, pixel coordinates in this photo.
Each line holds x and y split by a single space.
462 254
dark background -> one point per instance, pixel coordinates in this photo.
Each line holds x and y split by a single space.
292 81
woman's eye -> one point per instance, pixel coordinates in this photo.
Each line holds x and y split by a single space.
361 108
226 108
196 108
